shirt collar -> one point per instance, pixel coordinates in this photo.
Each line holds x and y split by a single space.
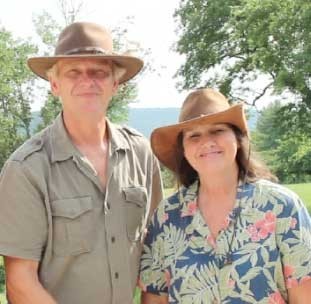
116 139
188 196
63 148
61 145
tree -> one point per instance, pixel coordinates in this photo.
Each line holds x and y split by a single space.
16 93
230 43
283 137
48 29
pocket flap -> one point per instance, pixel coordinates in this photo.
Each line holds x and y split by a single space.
71 207
136 195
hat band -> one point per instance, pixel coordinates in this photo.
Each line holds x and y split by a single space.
88 50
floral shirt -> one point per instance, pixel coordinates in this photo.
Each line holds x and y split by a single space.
263 249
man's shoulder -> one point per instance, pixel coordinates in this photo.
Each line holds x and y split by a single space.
129 134
129 130
31 146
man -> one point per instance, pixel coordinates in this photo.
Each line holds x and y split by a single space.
76 197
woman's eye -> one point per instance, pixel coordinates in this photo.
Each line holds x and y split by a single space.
194 135
217 131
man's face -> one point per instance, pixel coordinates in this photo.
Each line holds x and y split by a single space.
85 86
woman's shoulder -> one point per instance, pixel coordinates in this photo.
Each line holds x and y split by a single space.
274 193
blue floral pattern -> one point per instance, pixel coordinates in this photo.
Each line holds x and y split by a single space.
263 249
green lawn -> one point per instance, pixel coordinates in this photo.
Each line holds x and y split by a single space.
304 191
2 295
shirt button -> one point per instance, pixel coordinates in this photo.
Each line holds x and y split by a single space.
116 275
113 239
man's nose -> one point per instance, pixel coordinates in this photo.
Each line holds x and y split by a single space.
87 77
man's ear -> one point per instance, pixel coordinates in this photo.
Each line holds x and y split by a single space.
115 87
54 87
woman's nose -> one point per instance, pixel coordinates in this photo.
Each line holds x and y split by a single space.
208 140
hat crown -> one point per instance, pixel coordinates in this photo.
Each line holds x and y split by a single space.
84 37
203 102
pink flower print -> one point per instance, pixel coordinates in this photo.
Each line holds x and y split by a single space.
270 221
231 283
276 298
141 285
270 216
293 223
262 228
212 241
145 232
191 209
263 232
252 231
226 223
167 277
165 217
290 282
288 271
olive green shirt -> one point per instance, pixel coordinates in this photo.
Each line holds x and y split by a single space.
54 210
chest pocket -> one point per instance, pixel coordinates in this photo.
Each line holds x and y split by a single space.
73 229
135 199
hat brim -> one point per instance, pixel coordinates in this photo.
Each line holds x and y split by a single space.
132 65
164 139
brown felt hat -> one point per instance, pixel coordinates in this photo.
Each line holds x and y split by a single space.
86 40
201 107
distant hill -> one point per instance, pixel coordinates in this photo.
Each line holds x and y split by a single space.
145 120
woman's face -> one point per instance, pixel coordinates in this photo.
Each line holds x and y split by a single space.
211 148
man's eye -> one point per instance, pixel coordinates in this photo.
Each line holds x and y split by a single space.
101 74
72 73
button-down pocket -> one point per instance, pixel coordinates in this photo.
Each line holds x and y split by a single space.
73 229
135 206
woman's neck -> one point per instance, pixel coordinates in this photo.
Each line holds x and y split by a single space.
220 184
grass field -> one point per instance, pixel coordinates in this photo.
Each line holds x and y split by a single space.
303 190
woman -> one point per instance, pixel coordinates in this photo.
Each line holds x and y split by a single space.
228 235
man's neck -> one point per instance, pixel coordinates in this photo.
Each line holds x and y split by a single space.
86 132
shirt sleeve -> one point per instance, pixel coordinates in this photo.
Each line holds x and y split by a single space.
23 220
153 275
157 187
294 241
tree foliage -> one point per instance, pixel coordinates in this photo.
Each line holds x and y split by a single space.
232 44
234 41
16 93
283 135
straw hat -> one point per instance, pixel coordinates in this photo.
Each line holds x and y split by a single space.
201 107
86 40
